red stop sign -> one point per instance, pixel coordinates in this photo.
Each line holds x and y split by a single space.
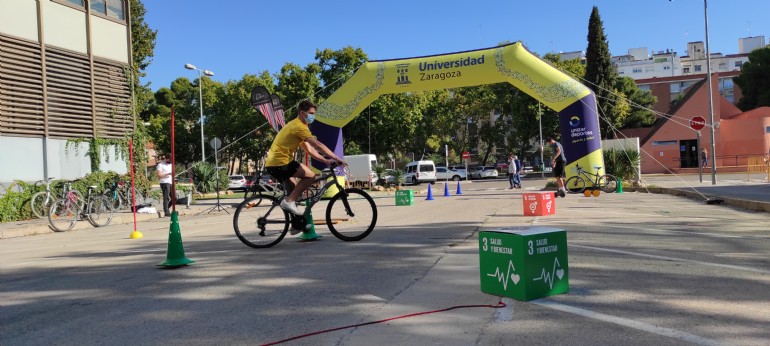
466 155
697 123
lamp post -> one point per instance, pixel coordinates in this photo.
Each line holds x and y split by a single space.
711 97
200 102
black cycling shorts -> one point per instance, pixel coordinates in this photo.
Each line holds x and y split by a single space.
284 172
558 170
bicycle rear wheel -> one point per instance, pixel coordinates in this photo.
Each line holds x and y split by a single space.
41 203
259 222
99 211
63 215
575 184
351 215
608 183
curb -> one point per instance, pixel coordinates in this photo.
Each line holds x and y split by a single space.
735 202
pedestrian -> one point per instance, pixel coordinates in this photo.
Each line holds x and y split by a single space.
517 175
164 178
704 155
558 162
511 172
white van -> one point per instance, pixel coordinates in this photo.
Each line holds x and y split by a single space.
420 172
361 169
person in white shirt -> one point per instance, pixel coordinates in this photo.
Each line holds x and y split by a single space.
511 171
164 177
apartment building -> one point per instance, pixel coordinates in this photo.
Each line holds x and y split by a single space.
64 75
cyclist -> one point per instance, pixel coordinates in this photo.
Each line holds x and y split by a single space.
558 162
280 163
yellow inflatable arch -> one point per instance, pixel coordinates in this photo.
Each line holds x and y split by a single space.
511 63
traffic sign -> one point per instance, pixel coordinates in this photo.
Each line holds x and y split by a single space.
697 123
466 155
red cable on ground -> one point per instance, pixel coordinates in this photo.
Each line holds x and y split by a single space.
499 305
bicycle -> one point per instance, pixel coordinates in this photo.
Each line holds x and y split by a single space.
350 214
259 187
65 212
577 184
40 203
118 195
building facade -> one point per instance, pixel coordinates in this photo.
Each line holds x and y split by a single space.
64 75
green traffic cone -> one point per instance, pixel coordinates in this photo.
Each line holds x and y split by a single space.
175 253
309 232
620 187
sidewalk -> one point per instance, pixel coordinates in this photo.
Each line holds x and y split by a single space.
732 188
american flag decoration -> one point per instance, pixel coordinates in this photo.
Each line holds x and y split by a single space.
278 111
261 100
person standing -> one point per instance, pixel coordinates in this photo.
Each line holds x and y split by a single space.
517 175
164 178
511 171
558 161
704 155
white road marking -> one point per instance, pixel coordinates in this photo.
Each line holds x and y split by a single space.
666 258
699 340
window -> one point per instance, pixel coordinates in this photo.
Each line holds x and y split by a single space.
666 68
645 87
637 70
99 6
78 3
656 143
674 88
109 8
739 64
723 66
686 70
697 68
659 60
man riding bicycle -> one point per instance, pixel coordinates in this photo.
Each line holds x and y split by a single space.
280 161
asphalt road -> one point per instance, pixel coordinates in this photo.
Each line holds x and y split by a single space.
644 269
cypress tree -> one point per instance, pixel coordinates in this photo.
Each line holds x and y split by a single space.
600 74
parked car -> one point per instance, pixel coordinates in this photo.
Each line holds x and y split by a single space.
389 178
237 182
264 182
442 173
459 168
420 172
502 167
481 172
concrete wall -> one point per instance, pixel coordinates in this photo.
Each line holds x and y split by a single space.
109 39
24 160
18 18
64 26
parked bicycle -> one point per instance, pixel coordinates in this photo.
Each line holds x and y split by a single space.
41 201
118 194
351 214
65 212
577 184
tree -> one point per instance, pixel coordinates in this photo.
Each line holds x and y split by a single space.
600 74
337 66
754 80
638 101
296 84
142 51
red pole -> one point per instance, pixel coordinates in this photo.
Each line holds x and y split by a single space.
173 161
133 189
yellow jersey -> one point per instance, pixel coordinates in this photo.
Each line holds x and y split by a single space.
286 143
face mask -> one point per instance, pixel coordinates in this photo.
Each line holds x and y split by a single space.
310 118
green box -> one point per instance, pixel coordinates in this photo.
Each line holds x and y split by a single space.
523 263
404 197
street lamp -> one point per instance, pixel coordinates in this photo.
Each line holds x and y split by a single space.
711 97
200 94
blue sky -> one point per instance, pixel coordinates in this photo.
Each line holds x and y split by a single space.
235 37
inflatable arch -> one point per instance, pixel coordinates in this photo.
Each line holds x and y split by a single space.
511 63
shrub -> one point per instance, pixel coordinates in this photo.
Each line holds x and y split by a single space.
623 164
205 177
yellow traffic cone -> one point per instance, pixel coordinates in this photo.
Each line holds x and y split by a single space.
175 253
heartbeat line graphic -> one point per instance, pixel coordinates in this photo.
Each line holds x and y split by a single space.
548 277
507 276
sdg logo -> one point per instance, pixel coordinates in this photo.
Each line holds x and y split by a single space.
402 70
574 121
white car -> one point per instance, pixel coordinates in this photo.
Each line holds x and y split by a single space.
442 173
238 182
482 172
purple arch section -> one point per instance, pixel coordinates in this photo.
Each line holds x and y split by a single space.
330 136
579 127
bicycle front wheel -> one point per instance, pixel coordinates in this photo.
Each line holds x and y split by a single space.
41 204
259 222
99 211
575 184
351 215
63 215
608 183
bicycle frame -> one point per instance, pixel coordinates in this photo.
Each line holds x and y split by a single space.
312 200
593 178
